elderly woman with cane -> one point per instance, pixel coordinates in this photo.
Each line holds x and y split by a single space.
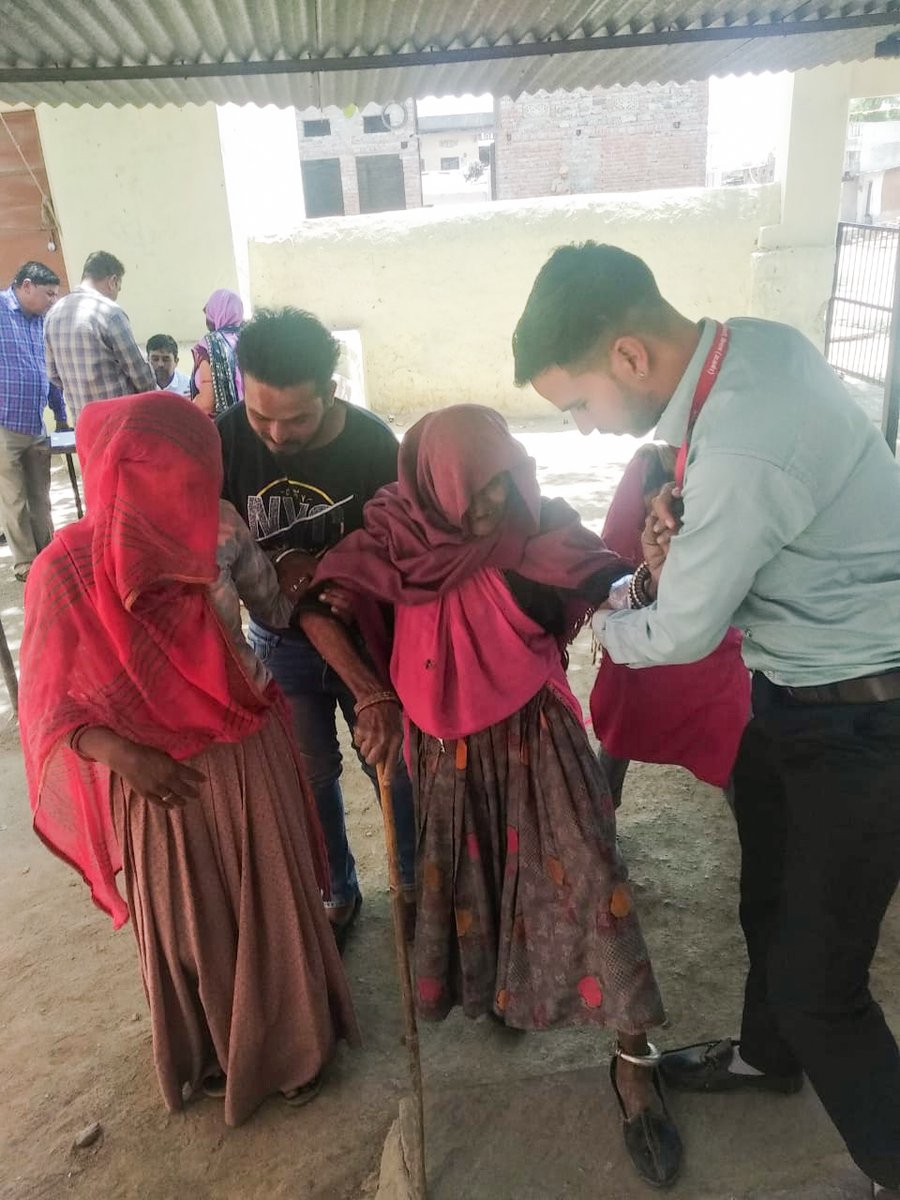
524 908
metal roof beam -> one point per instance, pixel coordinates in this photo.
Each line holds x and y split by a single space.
424 58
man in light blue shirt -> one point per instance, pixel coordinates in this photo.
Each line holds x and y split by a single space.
791 531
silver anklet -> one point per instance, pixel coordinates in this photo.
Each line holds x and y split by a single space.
651 1059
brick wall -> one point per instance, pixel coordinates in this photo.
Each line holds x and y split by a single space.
349 141
609 139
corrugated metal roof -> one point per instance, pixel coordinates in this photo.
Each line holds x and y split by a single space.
43 43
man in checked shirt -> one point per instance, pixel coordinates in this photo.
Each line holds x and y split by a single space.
25 391
91 351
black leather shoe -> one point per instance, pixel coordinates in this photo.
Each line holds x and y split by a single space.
704 1068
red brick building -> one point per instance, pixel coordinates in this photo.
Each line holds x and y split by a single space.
604 140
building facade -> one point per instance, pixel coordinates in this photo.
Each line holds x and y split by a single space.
871 189
359 160
456 152
605 140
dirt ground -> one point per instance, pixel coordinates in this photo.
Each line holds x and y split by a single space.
511 1117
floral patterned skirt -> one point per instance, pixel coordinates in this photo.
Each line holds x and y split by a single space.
524 908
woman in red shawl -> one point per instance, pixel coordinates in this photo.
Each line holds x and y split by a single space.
524 909
153 747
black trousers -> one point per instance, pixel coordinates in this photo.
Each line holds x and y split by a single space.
817 791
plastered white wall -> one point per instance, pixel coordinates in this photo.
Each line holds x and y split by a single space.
146 184
435 295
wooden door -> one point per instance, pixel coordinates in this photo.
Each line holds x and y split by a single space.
25 230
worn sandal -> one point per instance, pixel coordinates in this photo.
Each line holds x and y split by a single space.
215 1086
299 1096
651 1138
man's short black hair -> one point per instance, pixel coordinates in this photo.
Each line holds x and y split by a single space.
38 273
100 265
162 341
584 295
286 346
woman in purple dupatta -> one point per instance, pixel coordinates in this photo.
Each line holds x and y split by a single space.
216 383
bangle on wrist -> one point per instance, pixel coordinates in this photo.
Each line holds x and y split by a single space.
284 553
376 698
637 590
75 737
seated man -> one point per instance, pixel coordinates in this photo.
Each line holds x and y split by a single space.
162 355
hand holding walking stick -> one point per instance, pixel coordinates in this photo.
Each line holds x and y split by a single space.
417 1149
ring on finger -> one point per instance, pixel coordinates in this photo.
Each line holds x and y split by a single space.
168 796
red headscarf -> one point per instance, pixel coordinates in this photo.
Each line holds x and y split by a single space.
118 628
464 655
415 546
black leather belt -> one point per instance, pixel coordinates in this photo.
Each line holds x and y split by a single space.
867 689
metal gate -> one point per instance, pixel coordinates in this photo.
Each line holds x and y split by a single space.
863 326
861 307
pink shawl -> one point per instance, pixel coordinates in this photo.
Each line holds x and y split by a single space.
464 655
119 629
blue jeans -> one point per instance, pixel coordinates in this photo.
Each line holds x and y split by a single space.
315 693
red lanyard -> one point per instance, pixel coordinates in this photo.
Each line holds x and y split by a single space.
708 377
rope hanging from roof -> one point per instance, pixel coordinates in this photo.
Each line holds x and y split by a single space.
48 216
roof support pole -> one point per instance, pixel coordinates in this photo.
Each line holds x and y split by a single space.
794 267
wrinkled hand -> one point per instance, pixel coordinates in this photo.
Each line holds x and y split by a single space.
664 522
341 601
654 546
295 574
157 777
379 736
667 509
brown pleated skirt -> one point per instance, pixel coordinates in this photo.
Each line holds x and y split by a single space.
238 960
524 908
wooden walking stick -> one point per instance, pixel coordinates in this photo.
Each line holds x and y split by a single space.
417 1149
9 672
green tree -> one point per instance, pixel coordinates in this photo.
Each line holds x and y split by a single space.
875 108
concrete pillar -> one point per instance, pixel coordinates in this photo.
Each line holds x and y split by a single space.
261 156
794 265
148 185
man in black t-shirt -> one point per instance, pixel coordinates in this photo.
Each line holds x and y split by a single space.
299 467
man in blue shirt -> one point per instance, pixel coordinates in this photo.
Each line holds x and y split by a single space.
25 391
